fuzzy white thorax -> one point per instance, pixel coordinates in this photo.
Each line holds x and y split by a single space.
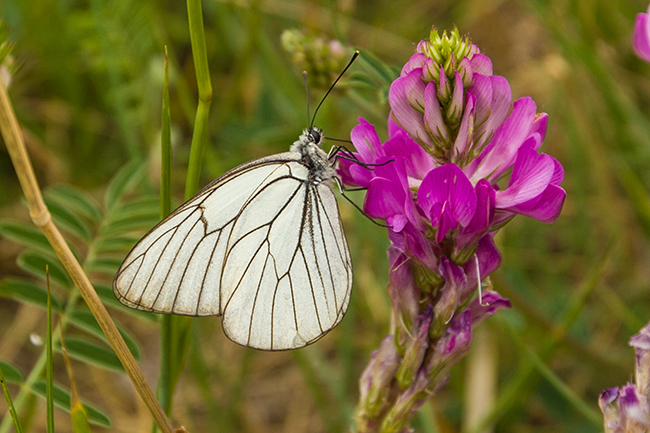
321 169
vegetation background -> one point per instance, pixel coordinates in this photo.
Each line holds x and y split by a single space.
87 88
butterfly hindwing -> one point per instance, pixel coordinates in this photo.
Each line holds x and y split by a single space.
280 288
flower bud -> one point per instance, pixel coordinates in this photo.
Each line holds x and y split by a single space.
641 344
374 385
452 346
415 349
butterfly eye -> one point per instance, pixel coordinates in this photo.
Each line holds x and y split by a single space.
315 136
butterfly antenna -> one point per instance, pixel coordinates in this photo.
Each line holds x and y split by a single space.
354 56
304 77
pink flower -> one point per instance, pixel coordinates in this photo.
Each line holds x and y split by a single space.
641 36
461 160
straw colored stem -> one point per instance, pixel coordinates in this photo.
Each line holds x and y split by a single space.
41 217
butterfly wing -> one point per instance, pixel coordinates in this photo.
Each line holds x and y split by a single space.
287 274
176 267
261 245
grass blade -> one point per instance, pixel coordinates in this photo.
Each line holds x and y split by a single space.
49 371
10 403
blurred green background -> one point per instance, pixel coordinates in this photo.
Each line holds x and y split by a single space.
87 86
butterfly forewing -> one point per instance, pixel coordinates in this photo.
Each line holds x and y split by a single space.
262 245
169 270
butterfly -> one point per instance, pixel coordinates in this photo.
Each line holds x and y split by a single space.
262 246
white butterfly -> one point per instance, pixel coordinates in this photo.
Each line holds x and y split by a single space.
262 246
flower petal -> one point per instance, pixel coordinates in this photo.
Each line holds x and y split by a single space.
416 61
481 64
383 199
464 137
498 109
455 108
546 208
482 220
641 36
448 184
500 154
403 113
366 141
487 306
433 120
531 175
417 161
482 88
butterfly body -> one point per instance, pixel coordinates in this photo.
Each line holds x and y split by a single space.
262 246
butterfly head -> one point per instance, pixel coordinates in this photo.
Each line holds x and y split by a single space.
314 135
310 139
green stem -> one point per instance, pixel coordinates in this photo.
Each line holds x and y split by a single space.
49 373
165 383
199 139
175 329
10 405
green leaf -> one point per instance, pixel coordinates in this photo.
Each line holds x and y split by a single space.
109 265
68 221
374 65
27 291
85 320
62 400
34 263
26 235
108 298
141 214
79 201
12 374
114 244
123 182
84 350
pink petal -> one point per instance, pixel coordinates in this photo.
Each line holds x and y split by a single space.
491 303
344 173
361 175
366 141
558 174
417 161
444 86
416 61
488 258
448 185
545 208
455 109
540 125
498 109
482 88
483 216
402 112
502 150
464 136
466 72
531 175
433 120
641 37
481 64
446 224
383 199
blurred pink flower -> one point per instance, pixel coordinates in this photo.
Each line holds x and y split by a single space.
641 36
